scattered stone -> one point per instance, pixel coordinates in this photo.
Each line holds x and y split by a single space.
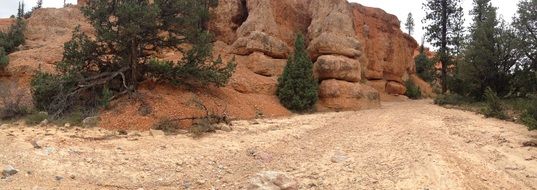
272 180
201 182
122 132
58 178
44 123
35 144
156 133
339 157
9 171
72 177
514 167
530 143
4 126
529 158
223 127
67 125
49 150
91 121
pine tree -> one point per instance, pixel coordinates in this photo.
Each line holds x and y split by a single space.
424 66
490 54
128 32
4 59
409 25
297 88
20 10
444 20
39 4
525 25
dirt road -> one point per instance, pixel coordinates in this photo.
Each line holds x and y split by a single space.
403 145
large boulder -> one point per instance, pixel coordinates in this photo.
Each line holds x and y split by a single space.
271 27
272 180
262 64
395 88
258 41
337 67
332 29
343 95
331 43
247 82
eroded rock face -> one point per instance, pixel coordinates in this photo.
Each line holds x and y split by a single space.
343 95
389 53
270 27
263 65
226 18
337 67
332 29
395 88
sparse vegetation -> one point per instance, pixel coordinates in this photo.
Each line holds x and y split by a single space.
451 99
529 117
425 66
412 91
4 59
11 39
11 106
35 118
167 125
297 88
494 107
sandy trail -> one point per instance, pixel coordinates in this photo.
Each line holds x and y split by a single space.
403 145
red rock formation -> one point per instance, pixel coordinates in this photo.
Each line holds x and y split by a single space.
389 53
358 52
82 2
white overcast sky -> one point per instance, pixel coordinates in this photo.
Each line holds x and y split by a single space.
9 7
400 8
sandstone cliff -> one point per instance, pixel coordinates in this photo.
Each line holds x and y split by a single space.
360 55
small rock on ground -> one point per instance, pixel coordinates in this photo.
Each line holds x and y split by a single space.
91 121
272 180
9 171
156 133
339 157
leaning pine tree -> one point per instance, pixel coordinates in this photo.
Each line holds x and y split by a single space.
297 87
128 35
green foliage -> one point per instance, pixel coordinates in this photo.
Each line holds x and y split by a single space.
409 24
530 116
444 30
491 53
297 88
11 106
94 70
525 29
425 66
106 97
412 91
13 37
493 105
35 118
168 126
451 99
45 89
215 72
4 59
74 118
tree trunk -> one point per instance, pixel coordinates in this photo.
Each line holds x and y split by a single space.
443 50
134 64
